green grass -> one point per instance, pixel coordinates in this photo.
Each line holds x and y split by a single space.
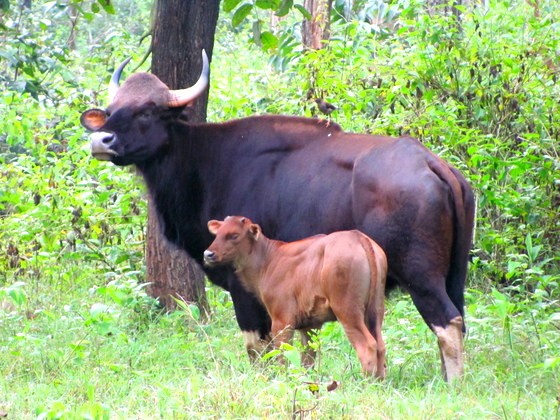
106 352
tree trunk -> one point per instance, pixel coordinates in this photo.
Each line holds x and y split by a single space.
171 272
444 7
73 15
317 30
181 30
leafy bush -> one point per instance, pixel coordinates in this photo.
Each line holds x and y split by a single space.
481 92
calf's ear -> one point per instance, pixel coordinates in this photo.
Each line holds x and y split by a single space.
255 231
213 226
93 119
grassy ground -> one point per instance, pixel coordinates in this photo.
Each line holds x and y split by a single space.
103 351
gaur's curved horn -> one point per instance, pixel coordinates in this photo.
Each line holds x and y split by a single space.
114 83
182 97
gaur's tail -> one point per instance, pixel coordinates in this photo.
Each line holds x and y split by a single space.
463 204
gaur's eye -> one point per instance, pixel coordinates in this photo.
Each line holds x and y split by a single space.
145 115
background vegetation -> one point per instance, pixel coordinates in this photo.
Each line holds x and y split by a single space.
79 338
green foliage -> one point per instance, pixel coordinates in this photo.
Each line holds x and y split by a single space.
481 92
15 292
241 13
268 40
280 8
30 55
39 43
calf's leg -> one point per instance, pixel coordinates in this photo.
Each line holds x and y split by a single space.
375 313
309 354
366 347
282 332
353 322
374 322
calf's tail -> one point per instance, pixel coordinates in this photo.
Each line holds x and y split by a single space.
378 274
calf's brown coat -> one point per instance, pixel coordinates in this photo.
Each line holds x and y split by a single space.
306 283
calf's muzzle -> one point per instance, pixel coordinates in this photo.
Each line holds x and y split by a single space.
209 258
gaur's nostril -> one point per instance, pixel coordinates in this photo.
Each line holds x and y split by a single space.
108 140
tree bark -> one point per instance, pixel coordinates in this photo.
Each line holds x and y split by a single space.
444 7
171 272
181 30
317 30
73 15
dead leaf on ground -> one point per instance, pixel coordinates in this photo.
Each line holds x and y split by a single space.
332 386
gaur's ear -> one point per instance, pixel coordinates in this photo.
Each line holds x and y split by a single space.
187 114
93 119
213 226
174 113
255 231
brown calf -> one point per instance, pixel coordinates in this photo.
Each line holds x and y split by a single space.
306 283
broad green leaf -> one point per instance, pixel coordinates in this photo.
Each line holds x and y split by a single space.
293 356
194 311
18 296
17 293
240 14
284 8
268 41
107 6
303 11
287 347
270 354
267 4
229 5
104 327
549 363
